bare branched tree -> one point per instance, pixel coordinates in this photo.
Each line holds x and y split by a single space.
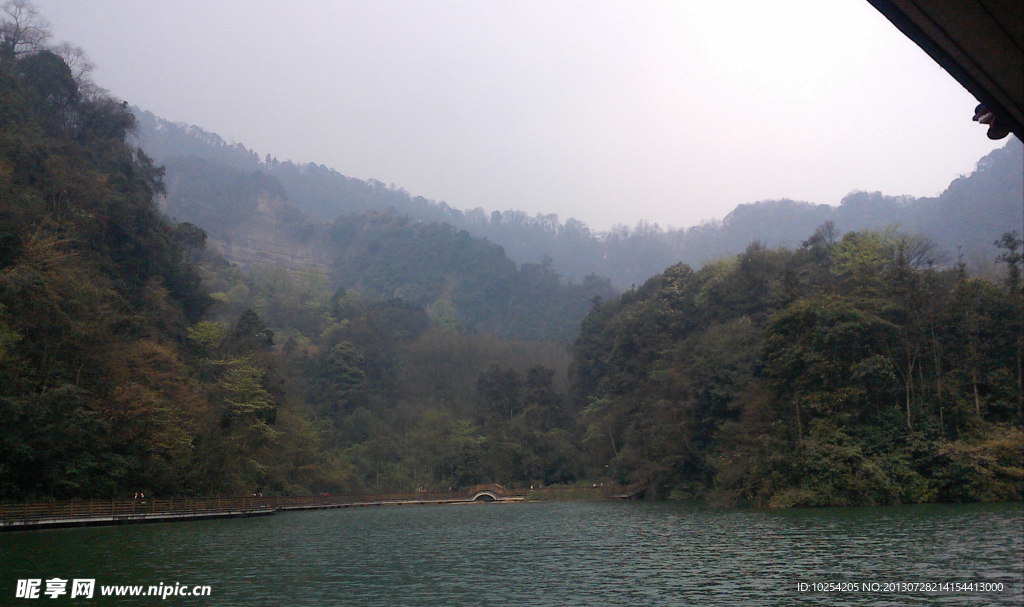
80 66
76 59
22 29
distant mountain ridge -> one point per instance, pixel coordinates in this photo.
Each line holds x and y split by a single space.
972 213
459 278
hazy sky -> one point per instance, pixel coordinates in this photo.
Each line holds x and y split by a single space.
610 112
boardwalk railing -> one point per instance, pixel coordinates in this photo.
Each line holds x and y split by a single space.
328 500
127 508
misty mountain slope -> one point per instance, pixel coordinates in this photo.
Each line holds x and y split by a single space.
191 154
451 272
459 277
973 212
122 370
247 213
986 203
317 191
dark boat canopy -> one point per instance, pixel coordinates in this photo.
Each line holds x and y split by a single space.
979 42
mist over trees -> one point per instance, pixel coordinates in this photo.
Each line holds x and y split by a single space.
252 217
291 330
382 255
134 358
964 220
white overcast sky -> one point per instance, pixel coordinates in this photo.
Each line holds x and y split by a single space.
612 112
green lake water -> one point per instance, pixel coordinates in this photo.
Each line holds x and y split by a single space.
570 553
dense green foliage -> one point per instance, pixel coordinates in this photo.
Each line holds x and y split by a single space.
389 354
120 370
93 289
400 400
844 372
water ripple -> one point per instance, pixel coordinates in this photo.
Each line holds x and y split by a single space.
563 554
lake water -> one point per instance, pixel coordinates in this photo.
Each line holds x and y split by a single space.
576 553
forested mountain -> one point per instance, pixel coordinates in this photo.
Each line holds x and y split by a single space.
394 399
133 358
379 352
847 371
95 292
465 279
964 220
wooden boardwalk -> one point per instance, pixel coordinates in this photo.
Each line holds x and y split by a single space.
398 502
122 519
78 513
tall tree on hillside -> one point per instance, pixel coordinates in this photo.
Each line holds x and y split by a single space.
1013 257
